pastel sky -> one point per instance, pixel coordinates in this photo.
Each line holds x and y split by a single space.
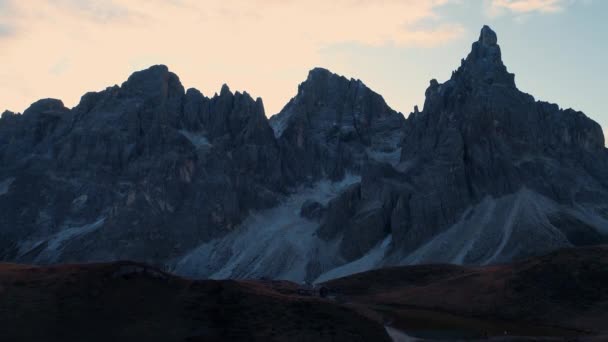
63 48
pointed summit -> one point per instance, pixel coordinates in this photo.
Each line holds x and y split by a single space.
319 79
225 90
487 46
484 63
488 36
327 102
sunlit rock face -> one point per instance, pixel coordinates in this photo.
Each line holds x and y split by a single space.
336 183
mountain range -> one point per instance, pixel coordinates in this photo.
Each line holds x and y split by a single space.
336 183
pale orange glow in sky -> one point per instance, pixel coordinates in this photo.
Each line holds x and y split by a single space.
64 48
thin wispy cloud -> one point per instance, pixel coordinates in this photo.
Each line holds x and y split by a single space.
6 31
522 7
525 6
104 11
6 28
60 67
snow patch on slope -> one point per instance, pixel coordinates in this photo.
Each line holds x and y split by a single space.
276 243
398 335
199 140
390 157
56 242
5 185
279 123
280 244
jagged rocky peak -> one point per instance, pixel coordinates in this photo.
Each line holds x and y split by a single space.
319 74
484 63
318 77
237 115
333 125
154 98
501 145
225 90
155 88
46 106
329 102
482 100
488 37
324 88
154 81
175 164
7 113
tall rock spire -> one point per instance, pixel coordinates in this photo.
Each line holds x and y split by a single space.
488 37
484 62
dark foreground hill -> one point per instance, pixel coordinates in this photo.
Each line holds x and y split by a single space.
126 301
562 294
559 296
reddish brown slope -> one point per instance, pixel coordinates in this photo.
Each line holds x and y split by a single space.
127 302
561 294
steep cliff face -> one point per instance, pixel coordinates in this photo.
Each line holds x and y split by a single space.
487 174
141 171
334 125
480 140
336 183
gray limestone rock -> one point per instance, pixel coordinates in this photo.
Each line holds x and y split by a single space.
333 125
152 172
161 170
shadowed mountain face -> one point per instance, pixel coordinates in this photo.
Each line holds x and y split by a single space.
336 183
495 175
142 171
334 125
